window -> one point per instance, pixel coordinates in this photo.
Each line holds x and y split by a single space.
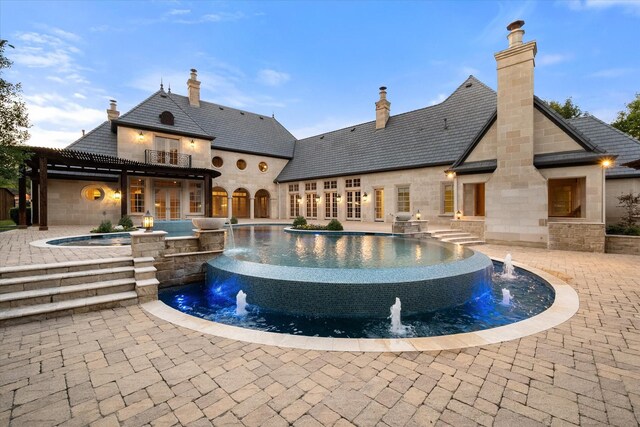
93 193
167 150
352 183
331 205
294 206
195 197
447 198
310 186
312 205
166 118
473 199
241 164
293 187
328 185
136 188
263 166
220 202
404 199
217 162
378 199
353 205
567 197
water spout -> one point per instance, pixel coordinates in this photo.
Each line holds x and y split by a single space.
508 271
506 297
397 327
241 304
232 240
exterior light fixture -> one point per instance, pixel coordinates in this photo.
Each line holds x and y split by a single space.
193 143
365 197
117 195
450 174
418 215
606 163
298 198
140 137
339 198
147 222
458 215
318 199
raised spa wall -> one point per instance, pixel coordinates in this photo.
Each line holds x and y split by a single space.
178 260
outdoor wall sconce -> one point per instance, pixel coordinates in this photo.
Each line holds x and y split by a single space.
117 195
318 199
450 174
147 222
458 215
606 163
298 198
193 143
418 215
339 198
140 137
365 197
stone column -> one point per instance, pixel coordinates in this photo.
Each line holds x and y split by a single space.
148 244
210 240
252 207
230 207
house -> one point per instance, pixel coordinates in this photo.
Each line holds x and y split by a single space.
500 164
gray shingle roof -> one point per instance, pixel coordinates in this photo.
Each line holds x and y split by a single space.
410 140
100 141
233 129
147 114
613 141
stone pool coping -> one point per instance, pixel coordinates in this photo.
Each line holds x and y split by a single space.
565 305
43 243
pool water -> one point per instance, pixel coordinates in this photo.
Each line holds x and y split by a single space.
531 296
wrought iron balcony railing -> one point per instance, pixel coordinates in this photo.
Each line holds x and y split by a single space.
171 158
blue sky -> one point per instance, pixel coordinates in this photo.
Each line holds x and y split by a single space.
316 65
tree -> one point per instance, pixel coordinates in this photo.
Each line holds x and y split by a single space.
568 110
14 123
629 121
630 203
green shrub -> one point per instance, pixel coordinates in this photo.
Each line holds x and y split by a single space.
13 214
335 225
126 222
299 222
104 227
621 230
234 220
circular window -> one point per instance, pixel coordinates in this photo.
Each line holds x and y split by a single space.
93 193
241 164
263 167
217 162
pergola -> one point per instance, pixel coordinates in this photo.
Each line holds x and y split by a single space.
45 163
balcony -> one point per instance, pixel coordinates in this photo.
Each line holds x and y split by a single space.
170 158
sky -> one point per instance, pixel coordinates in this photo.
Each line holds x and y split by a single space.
315 65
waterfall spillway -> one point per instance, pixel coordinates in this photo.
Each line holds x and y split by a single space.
232 240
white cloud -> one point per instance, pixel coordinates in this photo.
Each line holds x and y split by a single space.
507 12
610 73
209 17
438 99
174 12
272 77
79 96
551 59
41 137
629 6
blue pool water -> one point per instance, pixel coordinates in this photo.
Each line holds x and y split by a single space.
343 286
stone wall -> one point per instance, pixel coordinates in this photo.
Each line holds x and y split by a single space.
576 236
471 226
628 245
178 260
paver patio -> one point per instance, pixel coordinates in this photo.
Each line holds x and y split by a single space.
125 367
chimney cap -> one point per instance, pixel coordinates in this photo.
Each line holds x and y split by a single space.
383 88
113 101
193 70
515 25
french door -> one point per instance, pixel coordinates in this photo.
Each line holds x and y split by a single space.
353 205
167 200
378 199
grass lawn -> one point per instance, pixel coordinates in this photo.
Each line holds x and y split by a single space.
6 225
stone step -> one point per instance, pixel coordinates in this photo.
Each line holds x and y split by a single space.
473 242
64 267
458 238
64 293
450 234
28 283
70 306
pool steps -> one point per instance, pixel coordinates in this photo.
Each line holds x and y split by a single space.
48 290
456 236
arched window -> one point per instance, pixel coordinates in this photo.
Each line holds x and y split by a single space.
166 118
240 205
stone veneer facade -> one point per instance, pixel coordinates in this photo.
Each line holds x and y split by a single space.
576 236
629 245
471 226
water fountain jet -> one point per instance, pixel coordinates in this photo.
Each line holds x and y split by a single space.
508 272
396 324
506 297
241 304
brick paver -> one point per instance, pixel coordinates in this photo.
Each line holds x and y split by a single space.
124 367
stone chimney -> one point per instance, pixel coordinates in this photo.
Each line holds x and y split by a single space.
112 112
193 87
383 107
510 214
